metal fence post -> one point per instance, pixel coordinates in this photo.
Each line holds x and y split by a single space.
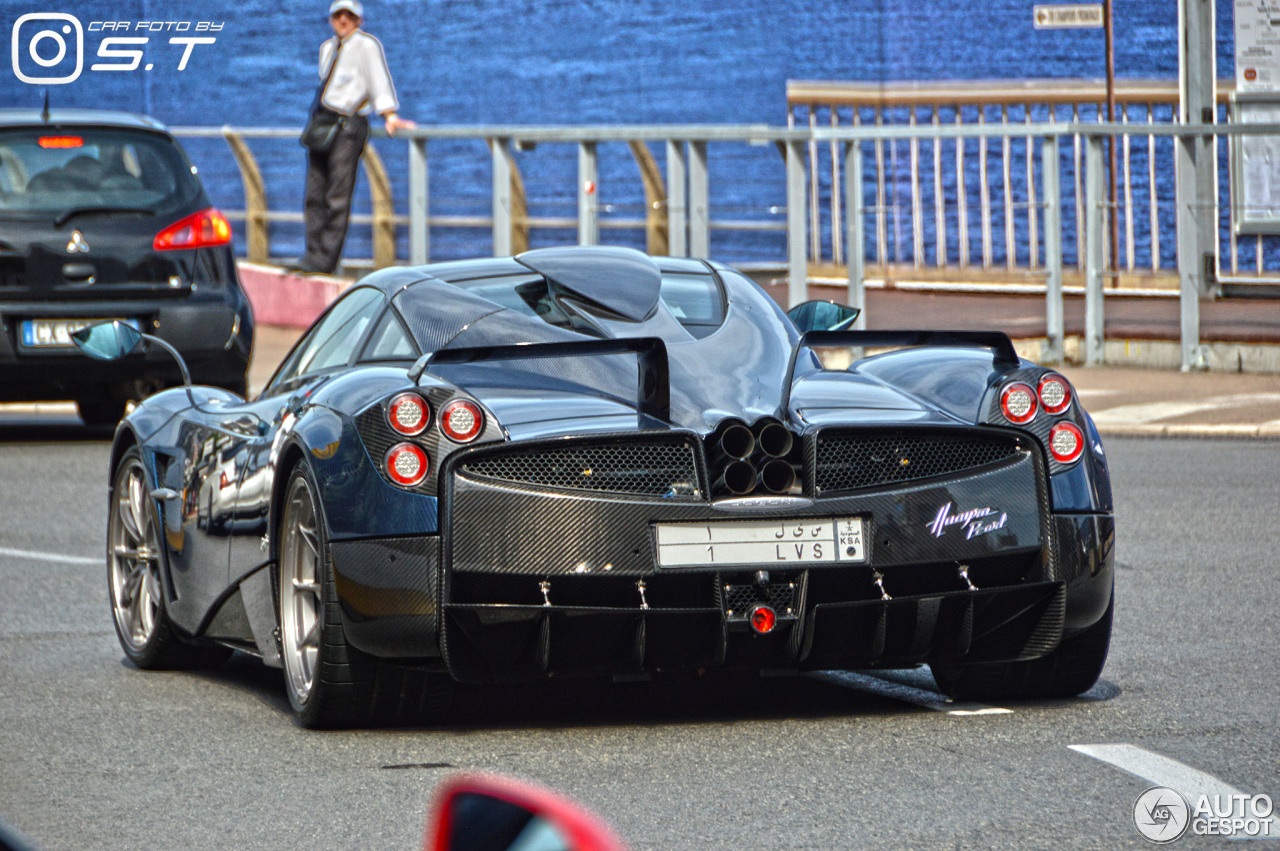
1051 168
1093 235
419 228
588 194
255 199
501 148
855 250
1193 259
677 239
1196 173
699 202
797 257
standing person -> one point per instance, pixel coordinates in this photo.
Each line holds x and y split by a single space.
354 81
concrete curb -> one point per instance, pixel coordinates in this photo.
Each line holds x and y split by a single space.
1192 432
291 301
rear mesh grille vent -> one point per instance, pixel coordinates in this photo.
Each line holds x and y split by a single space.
857 460
650 469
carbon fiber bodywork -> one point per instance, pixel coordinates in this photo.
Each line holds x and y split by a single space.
536 548
543 581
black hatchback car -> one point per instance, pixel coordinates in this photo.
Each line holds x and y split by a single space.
103 216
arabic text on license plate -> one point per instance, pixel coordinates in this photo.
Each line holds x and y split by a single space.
54 333
761 542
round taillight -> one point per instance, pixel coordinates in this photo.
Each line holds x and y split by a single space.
763 619
406 464
408 414
1066 442
1055 394
1018 401
461 420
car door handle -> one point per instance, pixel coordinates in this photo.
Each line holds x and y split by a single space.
164 493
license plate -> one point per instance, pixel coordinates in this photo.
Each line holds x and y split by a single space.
762 542
56 333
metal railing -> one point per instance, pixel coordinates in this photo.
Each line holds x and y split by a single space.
678 217
998 237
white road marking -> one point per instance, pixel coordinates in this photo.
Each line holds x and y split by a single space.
1163 771
56 557
1095 392
1152 411
908 694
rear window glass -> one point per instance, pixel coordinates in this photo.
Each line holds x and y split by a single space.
695 300
52 170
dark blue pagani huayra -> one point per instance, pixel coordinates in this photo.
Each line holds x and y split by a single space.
587 461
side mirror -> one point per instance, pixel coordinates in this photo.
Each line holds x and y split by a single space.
475 812
823 316
108 341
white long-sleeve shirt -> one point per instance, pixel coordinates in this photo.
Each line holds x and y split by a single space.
361 81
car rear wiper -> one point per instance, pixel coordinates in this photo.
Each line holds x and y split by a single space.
68 215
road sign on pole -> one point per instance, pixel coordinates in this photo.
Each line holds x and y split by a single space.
1068 17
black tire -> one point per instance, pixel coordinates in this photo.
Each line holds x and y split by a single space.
330 683
1069 670
135 559
100 410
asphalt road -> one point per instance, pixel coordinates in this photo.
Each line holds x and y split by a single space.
96 754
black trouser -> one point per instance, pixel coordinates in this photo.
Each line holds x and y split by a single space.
331 179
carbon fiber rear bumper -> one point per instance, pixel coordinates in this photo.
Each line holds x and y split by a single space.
533 582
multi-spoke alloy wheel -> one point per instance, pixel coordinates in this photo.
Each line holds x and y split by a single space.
330 683
134 563
301 606
136 598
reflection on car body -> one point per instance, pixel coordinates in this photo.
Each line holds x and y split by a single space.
515 468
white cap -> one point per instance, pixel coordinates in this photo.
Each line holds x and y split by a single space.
353 6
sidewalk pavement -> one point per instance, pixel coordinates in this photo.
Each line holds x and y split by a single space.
1122 400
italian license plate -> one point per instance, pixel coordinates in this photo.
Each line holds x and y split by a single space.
56 333
762 542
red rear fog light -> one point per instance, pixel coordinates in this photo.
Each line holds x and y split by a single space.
763 619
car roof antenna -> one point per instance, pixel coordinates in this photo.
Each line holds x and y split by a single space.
45 114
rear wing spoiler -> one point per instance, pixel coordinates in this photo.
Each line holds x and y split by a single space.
1001 346
653 393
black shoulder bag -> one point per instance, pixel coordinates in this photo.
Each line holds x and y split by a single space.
323 124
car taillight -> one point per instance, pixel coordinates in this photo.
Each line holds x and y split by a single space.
408 414
1066 442
1055 393
461 420
1018 401
204 229
406 464
61 141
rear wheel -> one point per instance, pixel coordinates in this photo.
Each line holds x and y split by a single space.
134 560
1071 669
329 682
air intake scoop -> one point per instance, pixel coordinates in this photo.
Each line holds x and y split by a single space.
621 280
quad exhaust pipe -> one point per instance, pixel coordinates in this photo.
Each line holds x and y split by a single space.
752 458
